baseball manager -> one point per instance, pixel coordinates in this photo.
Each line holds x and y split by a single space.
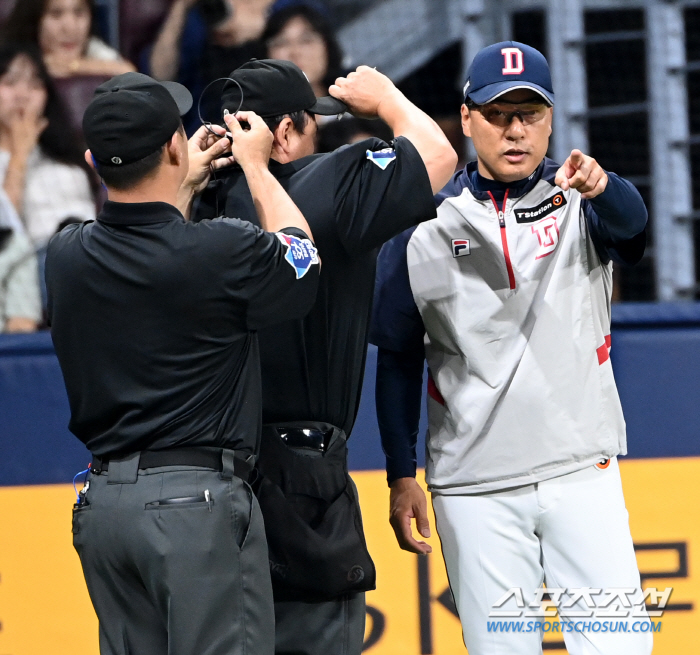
507 295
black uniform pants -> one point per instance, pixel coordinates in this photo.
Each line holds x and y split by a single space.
332 627
175 578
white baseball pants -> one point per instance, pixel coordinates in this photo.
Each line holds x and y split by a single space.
570 532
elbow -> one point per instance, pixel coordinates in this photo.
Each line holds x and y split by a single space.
442 165
634 226
641 222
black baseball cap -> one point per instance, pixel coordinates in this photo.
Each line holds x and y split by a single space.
131 116
272 87
506 66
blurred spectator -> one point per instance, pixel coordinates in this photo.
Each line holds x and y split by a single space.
338 133
64 31
300 31
42 169
203 40
20 300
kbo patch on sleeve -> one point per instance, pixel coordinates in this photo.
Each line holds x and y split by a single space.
301 253
382 158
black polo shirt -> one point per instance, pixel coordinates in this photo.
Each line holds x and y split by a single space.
354 200
154 323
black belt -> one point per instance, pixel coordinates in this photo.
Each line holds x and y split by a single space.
205 457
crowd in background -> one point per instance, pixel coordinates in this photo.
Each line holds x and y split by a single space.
52 57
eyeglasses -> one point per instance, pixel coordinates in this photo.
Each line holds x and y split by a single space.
502 114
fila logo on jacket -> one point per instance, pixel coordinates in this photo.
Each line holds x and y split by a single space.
516 305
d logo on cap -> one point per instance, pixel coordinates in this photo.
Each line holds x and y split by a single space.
513 58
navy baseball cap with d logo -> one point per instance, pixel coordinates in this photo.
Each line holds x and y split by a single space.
506 66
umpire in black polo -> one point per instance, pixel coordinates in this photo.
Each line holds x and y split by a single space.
154 323
355 199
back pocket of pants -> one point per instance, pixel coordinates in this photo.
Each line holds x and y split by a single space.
183 502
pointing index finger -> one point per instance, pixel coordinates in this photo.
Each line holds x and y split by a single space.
577 158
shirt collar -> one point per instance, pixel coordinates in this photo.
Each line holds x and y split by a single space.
138 213
480 186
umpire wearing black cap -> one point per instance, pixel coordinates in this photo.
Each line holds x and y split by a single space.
355 199
154 322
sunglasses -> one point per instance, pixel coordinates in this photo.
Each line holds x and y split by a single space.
502 114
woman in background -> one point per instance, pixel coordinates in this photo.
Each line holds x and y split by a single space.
64 31
42 170
20 296
300 32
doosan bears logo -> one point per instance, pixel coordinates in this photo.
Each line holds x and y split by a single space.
301 253
547 233
513 61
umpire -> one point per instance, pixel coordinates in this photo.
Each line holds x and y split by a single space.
153 319
355 199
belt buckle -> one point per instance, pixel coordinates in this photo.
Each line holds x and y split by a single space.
306 438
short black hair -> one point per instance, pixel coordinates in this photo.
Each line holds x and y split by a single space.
124 176
300 119
128 175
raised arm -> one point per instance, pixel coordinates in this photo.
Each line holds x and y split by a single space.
369 93
614 209
251 150
165 56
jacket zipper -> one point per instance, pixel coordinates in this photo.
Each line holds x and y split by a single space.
504 238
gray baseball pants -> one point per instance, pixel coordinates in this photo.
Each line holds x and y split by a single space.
189 577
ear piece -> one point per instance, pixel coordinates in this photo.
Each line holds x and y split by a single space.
97 170
206 88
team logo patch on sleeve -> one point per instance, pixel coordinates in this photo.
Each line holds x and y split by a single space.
461 247
382 158
301 253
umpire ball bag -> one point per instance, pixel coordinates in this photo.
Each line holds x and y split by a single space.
312 519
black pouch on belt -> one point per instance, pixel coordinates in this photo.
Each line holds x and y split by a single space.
312 516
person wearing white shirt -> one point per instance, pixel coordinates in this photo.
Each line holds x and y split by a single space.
20 298
42 170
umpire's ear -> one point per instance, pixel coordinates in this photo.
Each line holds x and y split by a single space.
466 121
283 136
